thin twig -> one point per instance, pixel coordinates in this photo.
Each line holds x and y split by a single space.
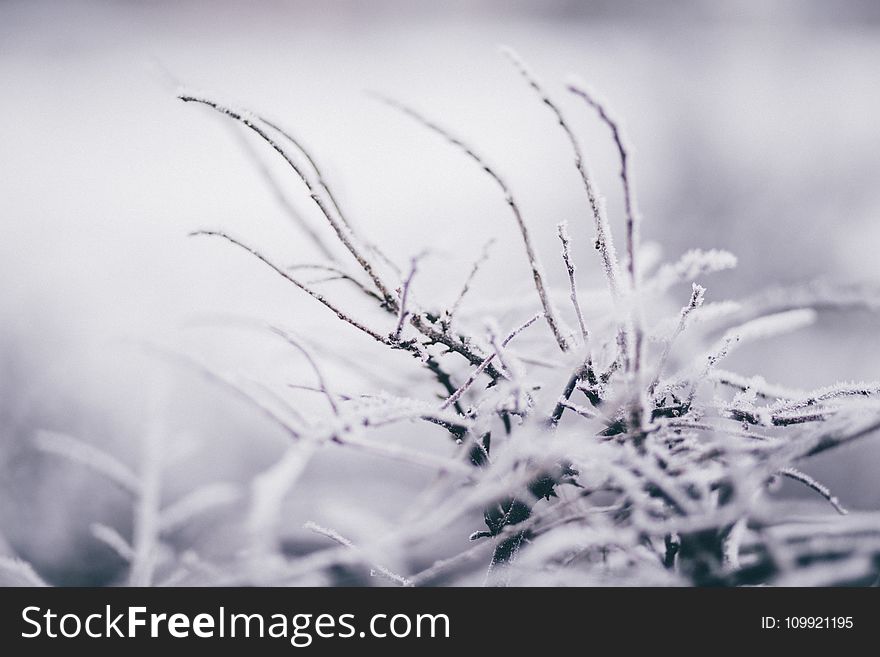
342 230
297 143
633 218
584 371
322 382
298 386
340 275
562 229
633 230
760 328
697 295
484 256
278 270
427 327
812 484
292 213
604 240
534 262
322 181
455 396
403 312
754 384
590 414
337 537
829 393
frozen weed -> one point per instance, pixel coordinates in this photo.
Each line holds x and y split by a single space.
591 458
627 472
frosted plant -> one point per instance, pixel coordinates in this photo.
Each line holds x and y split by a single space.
616 452
599 464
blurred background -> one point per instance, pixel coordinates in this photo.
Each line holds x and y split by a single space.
754 129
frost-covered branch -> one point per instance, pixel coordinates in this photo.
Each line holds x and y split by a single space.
288 337
338 538
455 396
403 312
653 478
295 217
531 253
697 294
562 231
633 220
278 270
692 265
465 288
809 482
342 229
339 274
604 241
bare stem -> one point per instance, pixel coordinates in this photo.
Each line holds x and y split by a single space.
319 375
562 229
633 218
455 396
342 230
809 482
340 275
278 270
341 540
314 165
633 226
322 181
403 312
604 240
295 217
484 256
695 302
534 262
